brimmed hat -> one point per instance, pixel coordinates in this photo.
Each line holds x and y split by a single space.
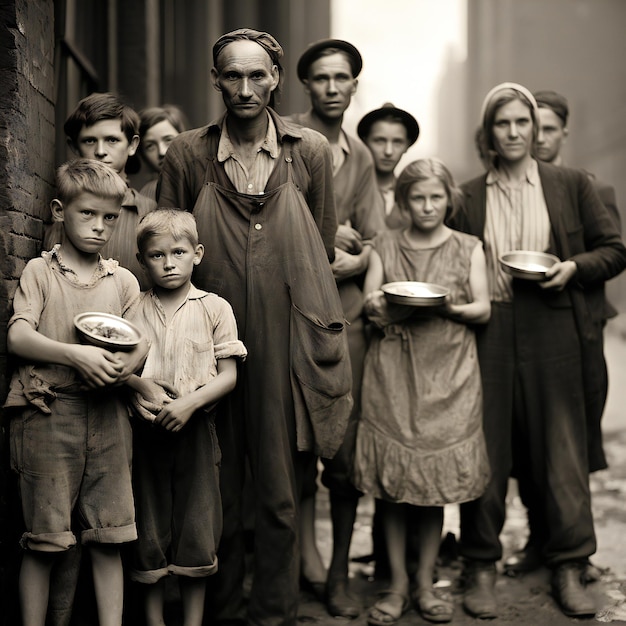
388 110
312 54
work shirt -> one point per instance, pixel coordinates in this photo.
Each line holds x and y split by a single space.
184 350
517 219
255 180
48 297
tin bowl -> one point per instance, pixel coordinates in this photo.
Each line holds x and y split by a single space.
107 331
413 293
527 264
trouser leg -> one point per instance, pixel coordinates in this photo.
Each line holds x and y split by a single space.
482 519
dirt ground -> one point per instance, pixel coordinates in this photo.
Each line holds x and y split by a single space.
523 600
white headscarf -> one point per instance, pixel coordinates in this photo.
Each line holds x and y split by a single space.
502 87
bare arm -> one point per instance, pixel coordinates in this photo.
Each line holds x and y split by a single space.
479 310
378 310
97 366
179 411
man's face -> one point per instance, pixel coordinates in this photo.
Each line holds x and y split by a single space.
552 135
513 131
387 142
105 141
330 85
246 78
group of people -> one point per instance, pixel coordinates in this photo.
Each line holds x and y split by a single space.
268 345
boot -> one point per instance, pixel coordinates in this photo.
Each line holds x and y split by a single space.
569 591
479 599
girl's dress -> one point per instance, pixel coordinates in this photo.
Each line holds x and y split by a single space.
420 437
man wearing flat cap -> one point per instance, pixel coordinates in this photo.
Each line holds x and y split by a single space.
388 132
261 191
328 70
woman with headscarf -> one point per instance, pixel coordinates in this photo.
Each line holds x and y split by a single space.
533 352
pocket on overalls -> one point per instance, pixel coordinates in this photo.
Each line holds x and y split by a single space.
321 377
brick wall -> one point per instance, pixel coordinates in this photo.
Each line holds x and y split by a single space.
26 184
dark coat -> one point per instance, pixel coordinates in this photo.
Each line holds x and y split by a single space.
582 230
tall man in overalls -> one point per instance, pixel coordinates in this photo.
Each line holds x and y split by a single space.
261 191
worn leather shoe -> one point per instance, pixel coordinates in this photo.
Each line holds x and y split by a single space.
569 591
479 599
339 603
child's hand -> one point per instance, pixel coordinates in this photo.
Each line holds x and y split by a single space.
98 367
151 396
176 414
381 312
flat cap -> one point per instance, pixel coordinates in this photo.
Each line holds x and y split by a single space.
388 110
555 101
312 53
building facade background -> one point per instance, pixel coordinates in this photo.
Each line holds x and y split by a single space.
52 53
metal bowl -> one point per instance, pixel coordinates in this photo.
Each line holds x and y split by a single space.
107 331
527 264
415 294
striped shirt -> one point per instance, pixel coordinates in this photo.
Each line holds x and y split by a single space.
517 219
251 181
184 350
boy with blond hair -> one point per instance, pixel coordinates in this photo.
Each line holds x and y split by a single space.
191 365
70 436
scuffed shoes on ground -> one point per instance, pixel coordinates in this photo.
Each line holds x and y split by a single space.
479 598
570 592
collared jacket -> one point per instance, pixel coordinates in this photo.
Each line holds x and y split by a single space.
582 231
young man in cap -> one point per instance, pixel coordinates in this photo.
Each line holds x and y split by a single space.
328 70
260 189
553 115
533 351
388 132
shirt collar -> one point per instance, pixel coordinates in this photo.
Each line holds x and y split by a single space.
343 142
226 150
532 174
105 266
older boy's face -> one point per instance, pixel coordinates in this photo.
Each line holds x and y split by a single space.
387 142
88 221
169 261
552 135
105 141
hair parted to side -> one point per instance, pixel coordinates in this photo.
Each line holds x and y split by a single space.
175 222
154 115
86 175
266 41
97 107
424 169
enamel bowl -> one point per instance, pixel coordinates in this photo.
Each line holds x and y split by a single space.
527 264
414 293
107 331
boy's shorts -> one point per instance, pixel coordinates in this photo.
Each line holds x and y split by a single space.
75 464
179 508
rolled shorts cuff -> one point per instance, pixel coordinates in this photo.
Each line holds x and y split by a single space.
115 534
200 571
149 577
48 542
